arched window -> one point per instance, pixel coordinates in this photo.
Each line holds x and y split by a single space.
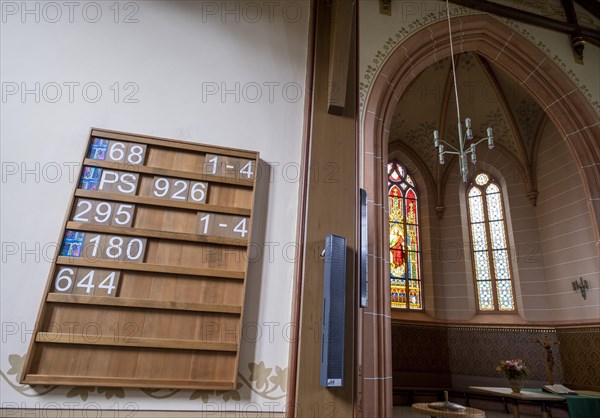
405 248
490 245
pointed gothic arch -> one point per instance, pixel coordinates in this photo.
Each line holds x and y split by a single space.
564 104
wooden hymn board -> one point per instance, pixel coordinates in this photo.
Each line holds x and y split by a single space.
147 286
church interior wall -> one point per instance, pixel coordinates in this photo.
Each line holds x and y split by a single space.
546 301
181 71
567 242
173 69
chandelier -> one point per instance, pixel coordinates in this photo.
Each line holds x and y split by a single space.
463 150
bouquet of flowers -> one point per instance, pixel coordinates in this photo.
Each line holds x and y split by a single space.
513 369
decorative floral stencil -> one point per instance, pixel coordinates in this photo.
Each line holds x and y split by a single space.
267 382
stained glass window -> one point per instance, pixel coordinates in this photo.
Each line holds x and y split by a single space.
490 246
405 248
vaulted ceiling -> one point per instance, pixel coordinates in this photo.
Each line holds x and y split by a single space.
487 94
577 18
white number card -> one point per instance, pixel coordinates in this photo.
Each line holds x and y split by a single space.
110 181
229 167
85 281
117 152
219 225
178 189
92 246
103 213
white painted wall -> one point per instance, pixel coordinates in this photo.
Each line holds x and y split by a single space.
170 63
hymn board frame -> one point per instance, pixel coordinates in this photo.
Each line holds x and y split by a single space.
194 288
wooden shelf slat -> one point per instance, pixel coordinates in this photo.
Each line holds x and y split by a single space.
171 143
143 303
149 233
125 341
41 379
142 200
167 172
153 268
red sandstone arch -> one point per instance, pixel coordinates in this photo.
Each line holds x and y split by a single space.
563 102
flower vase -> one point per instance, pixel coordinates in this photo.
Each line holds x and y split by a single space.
516 385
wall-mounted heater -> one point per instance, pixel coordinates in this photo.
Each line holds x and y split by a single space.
334 295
